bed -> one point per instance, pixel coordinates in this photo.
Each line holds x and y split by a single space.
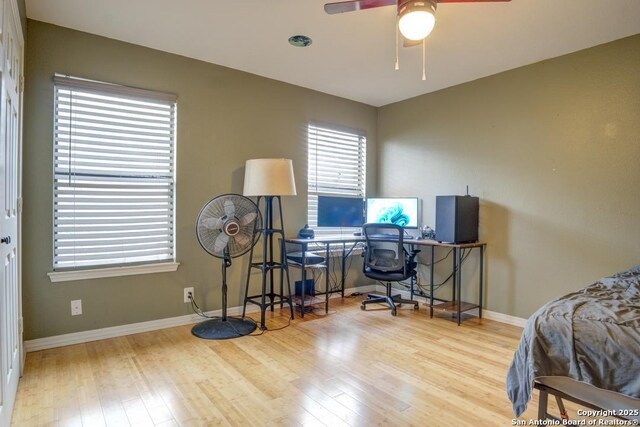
584 347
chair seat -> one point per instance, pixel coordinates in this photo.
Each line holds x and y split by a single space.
386 276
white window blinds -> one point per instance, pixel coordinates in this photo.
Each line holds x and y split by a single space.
337 167
114 164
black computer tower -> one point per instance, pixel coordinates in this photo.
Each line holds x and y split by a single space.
308 288
457 219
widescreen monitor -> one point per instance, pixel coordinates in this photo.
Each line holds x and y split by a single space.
402 211
336 211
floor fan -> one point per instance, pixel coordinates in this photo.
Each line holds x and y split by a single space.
227 227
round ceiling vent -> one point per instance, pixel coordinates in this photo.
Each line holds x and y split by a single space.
300 41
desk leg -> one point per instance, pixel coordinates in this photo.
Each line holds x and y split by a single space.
481 281
285 263
326 281
413 278
343 266
303 277
458 255
431 268
454 274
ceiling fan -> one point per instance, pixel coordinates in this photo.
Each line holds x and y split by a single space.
416 18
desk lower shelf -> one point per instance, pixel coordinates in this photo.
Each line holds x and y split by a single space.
452 307
309 300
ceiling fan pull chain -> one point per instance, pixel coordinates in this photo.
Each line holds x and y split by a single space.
397 41
424 60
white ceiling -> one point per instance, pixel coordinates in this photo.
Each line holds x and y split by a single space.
352 54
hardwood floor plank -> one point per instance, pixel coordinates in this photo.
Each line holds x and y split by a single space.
348 368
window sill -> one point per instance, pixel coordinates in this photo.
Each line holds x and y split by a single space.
67 276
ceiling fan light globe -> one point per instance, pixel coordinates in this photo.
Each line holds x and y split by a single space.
416 24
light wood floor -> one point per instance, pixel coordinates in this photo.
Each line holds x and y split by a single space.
350 367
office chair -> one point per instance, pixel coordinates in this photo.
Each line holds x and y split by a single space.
387 260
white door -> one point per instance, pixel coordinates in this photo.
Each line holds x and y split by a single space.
10 123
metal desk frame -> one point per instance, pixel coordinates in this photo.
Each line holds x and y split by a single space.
457 248
455 304
327 242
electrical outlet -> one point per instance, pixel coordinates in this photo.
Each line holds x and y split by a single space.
76 307
188 291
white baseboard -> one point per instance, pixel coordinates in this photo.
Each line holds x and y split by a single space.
122 330
363 289
152 325
504 318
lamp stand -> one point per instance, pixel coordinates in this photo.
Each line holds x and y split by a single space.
268 265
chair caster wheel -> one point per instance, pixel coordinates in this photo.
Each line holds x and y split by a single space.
416 307
394 313
362 306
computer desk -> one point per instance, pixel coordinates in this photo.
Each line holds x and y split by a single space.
454 306
348 244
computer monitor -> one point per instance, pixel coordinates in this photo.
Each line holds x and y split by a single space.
402 211
335 211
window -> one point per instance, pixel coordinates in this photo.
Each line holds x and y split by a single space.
114 165
337 167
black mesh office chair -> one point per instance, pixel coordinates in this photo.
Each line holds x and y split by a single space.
387 260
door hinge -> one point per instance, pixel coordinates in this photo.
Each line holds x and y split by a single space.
21 84
20 325
19 204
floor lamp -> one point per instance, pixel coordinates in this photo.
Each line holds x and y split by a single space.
268 180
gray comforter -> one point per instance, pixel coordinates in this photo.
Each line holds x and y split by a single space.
592 335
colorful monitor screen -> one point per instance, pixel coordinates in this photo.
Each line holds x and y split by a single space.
340 211
395 210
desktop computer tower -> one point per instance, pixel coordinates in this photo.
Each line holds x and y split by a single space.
309 290
457 219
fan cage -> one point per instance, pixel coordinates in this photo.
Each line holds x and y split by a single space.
215 209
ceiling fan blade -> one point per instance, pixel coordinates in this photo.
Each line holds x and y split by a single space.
242 240
470 1
212 223
248 218
350 6
229 209
411 43
220 243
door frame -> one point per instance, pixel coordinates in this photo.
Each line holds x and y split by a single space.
21 39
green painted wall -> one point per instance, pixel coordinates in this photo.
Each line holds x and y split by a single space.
224 118
552 150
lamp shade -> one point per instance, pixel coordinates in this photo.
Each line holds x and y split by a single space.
269 177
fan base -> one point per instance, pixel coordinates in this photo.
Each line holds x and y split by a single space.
218 329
